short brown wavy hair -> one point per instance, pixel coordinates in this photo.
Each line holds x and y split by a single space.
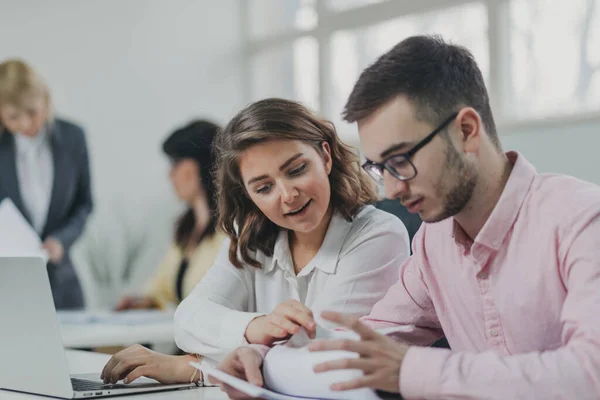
278 119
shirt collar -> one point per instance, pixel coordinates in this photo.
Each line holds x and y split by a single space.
281 253
326 258
26 143
507 209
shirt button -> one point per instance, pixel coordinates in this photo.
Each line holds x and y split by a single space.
494 332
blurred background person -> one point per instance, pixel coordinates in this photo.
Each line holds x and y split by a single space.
44 170
196 243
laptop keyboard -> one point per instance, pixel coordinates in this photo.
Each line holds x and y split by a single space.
82 385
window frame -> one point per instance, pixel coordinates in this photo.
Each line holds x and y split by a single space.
331 21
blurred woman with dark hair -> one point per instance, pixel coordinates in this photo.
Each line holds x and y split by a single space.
196 242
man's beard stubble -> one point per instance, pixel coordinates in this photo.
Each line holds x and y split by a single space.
463 176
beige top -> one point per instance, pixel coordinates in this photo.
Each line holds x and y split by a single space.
161 286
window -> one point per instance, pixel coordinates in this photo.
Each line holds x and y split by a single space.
271 17
343 5
554 57
354 50
287 71
546 52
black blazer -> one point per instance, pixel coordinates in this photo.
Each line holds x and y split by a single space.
70 202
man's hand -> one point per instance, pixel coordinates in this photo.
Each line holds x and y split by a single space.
136 361
380 357
55 250
282 323
243 363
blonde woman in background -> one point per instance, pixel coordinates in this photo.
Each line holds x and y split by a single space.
44 170
196 241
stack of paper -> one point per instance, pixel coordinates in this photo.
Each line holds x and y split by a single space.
243 386
288 371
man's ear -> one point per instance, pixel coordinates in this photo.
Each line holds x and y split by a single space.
470 125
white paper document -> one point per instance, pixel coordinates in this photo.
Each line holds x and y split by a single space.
241 385
17 237
288 371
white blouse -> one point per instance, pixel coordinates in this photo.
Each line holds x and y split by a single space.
356 264
35 171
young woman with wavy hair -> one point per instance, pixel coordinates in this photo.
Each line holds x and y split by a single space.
302 238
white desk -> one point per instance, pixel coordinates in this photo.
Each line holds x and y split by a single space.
98 335
76 333
84 362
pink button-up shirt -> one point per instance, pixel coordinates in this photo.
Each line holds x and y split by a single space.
520 305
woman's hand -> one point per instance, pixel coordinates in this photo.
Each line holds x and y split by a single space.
55 250
243 363
285 321
136 361
135 303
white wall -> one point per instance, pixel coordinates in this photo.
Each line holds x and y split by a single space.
559 147
130 71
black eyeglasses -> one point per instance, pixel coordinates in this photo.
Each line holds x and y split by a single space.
400 165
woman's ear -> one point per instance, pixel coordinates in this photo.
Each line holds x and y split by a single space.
327 156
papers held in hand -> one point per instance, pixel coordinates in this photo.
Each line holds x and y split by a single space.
17 237
288 371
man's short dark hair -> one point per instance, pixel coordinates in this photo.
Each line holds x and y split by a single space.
437 77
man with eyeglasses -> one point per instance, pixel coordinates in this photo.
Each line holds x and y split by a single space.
506 265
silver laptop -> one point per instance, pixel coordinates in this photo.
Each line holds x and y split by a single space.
32 357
